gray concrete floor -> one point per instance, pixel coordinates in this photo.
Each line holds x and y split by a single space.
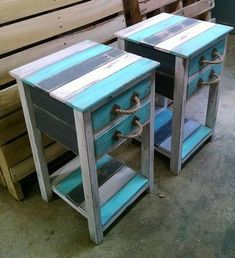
195 219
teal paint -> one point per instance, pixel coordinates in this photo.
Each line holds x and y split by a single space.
104 115
75 178
194 139
64 64
195 44
205 76
104 89
105 141
122 197
194 63
161 119
154 29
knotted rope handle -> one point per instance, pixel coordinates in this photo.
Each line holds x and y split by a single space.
212 82
129 111
136 134
215 54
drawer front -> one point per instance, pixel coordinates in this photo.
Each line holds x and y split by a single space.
195 64
193 84
105 114
105 141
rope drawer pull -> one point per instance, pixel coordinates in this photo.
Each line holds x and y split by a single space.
215 54
202 83
117 135
129 111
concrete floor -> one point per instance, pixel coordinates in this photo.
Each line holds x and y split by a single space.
195 219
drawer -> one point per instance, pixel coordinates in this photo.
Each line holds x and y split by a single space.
195 63
106 113
194 83
107 140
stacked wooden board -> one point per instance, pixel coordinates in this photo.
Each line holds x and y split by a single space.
31 29
139 9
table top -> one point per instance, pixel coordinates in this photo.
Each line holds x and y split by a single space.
84 74
174 34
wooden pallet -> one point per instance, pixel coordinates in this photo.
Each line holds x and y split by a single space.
31 29
137 10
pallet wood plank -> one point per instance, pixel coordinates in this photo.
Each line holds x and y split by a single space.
151 5
9 100
37 29
15 9
101 32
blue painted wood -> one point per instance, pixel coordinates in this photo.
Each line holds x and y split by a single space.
153 29
105 141
75 178
162 118
104 89
170 32
194 140
194 63
104 115
193 86
65 63
197 43
80 69
122 197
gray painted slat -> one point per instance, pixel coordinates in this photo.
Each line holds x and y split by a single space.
104 173
79 70
189 127
170 32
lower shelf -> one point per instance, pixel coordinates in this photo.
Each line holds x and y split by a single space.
119 186
195 135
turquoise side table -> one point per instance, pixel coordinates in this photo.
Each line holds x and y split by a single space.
91 98
191 53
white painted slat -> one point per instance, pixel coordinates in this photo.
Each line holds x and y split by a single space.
142 25
184 36
68 90
50 59
115 183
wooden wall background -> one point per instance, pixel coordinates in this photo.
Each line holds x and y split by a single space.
31 29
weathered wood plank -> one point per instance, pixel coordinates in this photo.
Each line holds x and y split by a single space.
151 5
101 32
12 126
16 9
9 100
37 29
2 181
26 167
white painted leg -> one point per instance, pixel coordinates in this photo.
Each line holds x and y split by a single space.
213 103
147 142
179 106
89 174
35 142
121 44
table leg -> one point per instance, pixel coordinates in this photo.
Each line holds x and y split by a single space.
35 142
89 174
179 107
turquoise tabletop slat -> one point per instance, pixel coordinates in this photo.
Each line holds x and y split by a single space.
66 63
75 178
108 86
198 42
153 29
161 119
113 205
193 140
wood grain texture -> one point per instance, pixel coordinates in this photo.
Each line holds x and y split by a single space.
12 126
37 29
16 9
75 87
9 100
2 180
151 5
100 32
27 166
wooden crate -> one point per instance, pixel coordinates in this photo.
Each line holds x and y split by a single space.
137 10
31 29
